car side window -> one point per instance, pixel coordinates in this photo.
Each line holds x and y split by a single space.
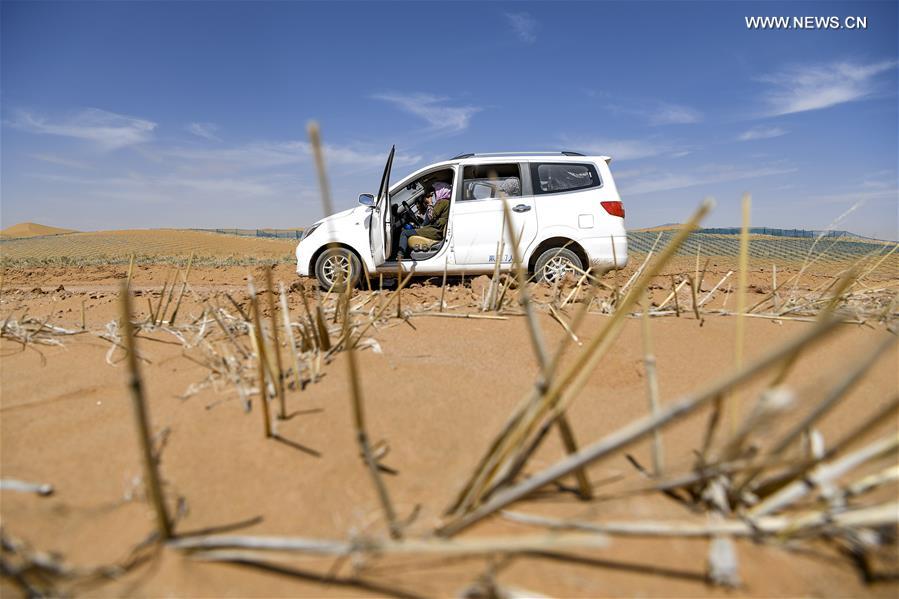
488 181
558 177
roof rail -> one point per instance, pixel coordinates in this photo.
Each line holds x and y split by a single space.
472 154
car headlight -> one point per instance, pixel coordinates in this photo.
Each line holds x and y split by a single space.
310 230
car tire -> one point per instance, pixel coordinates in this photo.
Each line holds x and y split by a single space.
554 263
330 264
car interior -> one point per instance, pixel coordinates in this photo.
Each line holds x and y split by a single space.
489 181
408 207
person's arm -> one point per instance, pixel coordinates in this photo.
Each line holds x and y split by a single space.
441 213
425 221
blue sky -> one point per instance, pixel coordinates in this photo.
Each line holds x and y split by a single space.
181 114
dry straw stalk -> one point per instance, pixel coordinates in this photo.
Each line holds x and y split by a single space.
652 391
142 419
261 361
190 262
352 367
636 430
879 515
742 289
279 374
552 401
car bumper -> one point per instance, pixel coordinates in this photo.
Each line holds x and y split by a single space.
304 257
601 253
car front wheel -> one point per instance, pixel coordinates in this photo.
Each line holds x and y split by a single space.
335 266
555 263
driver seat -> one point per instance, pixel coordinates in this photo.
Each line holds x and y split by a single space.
417 243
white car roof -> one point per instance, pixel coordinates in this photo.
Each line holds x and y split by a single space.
526 157
466 159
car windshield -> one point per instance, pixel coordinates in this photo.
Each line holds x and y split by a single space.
407 193
411 192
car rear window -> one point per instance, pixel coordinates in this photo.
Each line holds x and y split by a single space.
553 178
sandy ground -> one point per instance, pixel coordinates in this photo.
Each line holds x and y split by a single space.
23 230
160 245
436 394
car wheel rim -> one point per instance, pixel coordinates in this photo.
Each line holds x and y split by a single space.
556 268
336 268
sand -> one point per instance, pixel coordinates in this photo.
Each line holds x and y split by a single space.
24 230
436 394
160 245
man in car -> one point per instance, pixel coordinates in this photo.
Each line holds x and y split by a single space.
435 218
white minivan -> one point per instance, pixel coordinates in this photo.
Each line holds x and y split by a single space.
565 211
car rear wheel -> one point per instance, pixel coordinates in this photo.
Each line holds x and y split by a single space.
555 263
335 266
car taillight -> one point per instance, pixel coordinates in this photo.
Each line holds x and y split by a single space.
614 208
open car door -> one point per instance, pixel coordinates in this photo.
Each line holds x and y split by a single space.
381 229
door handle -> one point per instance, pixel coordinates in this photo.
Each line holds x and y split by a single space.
521 208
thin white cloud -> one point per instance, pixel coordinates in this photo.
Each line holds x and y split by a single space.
205 130
706 175
435 110
351 156
523 25
813 87
880 180
146 187
253 156
61 161
210 183
761 133
653 112
274 154
673 114
105 129
887 193
626 149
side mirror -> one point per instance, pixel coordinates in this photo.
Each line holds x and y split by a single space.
366 199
